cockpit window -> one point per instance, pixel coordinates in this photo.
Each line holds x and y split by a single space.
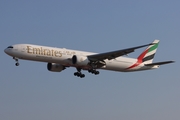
10 47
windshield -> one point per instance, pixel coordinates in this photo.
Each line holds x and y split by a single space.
10 47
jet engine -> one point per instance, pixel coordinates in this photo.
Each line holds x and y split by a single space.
80 60
55 67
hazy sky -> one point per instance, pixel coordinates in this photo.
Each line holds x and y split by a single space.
31 92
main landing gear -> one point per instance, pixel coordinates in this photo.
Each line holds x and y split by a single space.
93 71
79 74
16 59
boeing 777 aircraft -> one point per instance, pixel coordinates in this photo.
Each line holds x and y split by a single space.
58 59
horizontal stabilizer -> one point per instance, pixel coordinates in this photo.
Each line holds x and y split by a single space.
159 63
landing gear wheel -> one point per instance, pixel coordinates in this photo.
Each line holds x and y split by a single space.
17 64
96 73
82 75
75 74
93 71
78 74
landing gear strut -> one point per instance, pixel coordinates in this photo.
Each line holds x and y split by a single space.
16 59
79 74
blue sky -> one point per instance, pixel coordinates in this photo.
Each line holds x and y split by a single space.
30 91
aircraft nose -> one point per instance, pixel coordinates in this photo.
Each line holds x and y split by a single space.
6 51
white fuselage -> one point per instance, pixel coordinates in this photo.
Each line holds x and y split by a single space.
63 56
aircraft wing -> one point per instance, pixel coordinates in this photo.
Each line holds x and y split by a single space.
114 54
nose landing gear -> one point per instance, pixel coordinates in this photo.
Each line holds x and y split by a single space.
16 59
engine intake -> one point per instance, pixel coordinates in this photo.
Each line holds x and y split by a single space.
55 67
80 60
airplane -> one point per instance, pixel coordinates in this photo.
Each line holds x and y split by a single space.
59 59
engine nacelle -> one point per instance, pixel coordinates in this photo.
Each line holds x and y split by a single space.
55 67
80 60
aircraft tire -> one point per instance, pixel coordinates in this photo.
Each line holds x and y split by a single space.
17 64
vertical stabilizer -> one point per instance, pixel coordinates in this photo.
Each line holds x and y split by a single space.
148 55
